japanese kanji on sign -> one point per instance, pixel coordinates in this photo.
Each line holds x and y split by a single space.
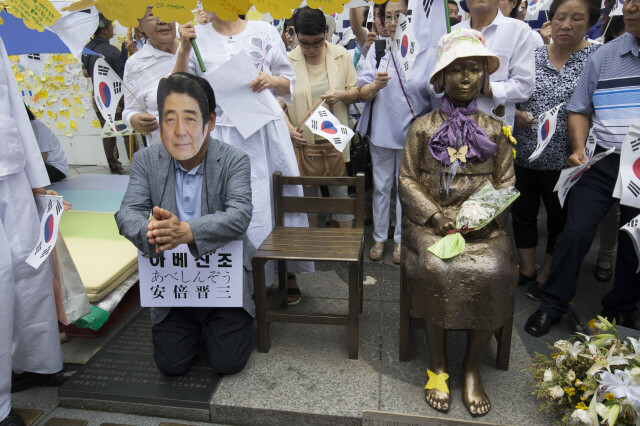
176 279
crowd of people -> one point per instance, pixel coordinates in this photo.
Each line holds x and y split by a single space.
205 183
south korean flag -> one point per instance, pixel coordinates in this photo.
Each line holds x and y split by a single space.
546 128
628 184
107 90
325 124
406 45
616 8
535 7
633 229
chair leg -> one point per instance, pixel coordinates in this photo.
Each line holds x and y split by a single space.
282 280
503 337
361 281
405 319
260 296
353 310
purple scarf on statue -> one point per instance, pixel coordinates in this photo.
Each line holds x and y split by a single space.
457 131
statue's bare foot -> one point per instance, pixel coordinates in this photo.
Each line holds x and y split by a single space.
437 398
473 394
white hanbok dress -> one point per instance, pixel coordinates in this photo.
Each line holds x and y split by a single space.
29 339
270 148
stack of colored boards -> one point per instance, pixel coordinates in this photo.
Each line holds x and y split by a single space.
104 258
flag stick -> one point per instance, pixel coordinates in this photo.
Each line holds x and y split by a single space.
197 52
309 112
606 28
134 97
390 54
545 10
446 14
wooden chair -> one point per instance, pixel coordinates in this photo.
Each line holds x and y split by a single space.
503 335
311 244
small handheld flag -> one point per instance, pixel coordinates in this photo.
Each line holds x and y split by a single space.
546 128
323 123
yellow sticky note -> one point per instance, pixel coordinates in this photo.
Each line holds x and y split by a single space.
65 113
437 381
66 102
43 94
35 13
230 9
173 10
75 87
95 123
77 100
14 58
78 111
19 77
73 124
68 133
59 78
38 114
60 125
327 6
126 12
59 68
52 115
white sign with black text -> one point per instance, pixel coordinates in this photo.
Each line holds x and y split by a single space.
176 279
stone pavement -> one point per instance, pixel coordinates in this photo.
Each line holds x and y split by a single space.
307 378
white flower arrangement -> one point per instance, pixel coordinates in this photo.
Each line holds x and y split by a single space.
591 380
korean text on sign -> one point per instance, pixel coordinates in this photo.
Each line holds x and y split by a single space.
176 279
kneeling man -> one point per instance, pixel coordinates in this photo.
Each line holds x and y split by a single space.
198 191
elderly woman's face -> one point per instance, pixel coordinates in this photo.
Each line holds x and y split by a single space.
570 24
156 29
392 14
463 79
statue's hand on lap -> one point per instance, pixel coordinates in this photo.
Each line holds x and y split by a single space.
442 224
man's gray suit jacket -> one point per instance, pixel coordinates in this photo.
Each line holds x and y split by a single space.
226 205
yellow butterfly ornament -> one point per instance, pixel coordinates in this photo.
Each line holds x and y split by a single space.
458 154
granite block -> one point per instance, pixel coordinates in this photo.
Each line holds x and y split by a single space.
306 377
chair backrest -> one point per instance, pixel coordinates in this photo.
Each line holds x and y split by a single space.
284 204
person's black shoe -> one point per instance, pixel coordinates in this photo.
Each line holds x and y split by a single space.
534 292
13 419
526 279
539 323
624 320
28 380
602 274
117 171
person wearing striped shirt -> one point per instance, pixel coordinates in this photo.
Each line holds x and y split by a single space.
608 96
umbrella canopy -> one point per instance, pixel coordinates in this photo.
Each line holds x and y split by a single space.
20 40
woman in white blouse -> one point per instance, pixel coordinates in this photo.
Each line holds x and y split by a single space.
143 72
269 149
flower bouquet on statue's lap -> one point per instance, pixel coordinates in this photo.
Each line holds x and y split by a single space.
591 380
475 213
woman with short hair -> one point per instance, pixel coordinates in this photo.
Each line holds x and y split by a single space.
558 68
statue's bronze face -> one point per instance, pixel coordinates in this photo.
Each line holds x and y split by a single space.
463 79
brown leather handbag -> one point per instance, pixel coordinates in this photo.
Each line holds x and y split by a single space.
319 159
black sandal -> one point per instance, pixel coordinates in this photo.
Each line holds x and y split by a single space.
294 292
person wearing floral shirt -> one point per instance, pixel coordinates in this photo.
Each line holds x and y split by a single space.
558 68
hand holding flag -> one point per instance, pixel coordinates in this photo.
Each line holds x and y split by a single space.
323 123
